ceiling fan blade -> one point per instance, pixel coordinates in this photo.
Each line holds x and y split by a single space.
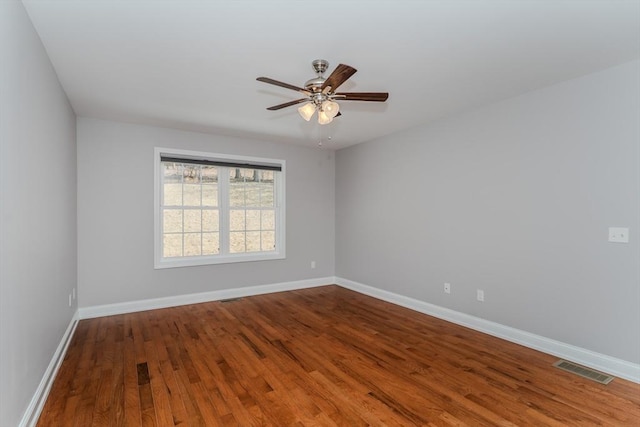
362 96
281 84
287 104
339 76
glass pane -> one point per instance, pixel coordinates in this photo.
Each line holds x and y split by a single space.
172 194
252 194
191 196
191 174
210 220
171 245
267 176
237 219
266 194
236 241
209 174
172 220
253 241
172 172
192 220
268 220
172 184
235 175
247 174
210 243
209 195
192 244
268 240
236 194
253 220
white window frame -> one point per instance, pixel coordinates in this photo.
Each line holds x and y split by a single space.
222 258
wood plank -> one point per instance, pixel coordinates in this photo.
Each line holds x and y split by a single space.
322 356
131 397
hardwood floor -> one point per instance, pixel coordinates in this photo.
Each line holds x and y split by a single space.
315 357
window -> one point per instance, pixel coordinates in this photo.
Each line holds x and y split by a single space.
214 208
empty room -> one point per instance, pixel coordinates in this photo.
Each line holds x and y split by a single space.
338 213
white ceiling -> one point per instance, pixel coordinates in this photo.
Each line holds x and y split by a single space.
192 64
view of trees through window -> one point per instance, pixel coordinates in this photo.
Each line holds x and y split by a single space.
192 223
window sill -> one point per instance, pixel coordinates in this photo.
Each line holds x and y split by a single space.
214 260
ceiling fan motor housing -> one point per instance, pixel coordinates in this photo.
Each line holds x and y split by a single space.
315 84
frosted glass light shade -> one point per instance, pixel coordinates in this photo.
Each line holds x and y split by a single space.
307 110
324 118
330 108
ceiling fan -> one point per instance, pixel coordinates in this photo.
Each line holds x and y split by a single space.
320 92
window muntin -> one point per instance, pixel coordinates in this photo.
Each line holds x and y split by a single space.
209 210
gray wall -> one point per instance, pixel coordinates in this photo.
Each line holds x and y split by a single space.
115 215
37 211
514 198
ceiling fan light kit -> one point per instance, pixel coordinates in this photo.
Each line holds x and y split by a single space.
326 111
324 118
331 108
321 93
307 110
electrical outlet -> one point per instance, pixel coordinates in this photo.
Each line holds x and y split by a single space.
480 295
447 288
69 300
619 234
313 264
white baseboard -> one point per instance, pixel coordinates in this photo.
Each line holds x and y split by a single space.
151 304
610 365
30 417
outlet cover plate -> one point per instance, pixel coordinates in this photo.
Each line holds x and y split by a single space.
619 234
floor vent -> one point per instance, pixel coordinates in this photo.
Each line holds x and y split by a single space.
583 372
230 299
